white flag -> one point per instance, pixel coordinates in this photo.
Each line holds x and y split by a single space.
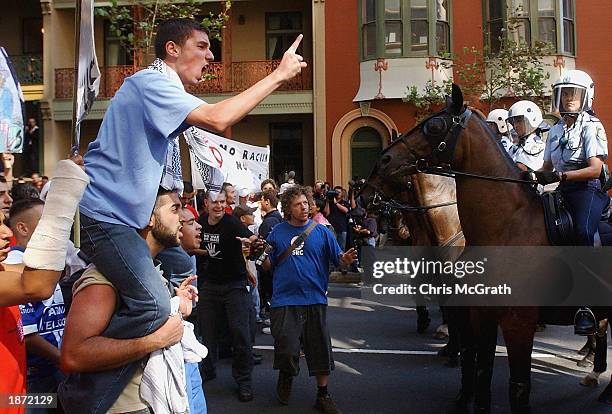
11 102
88 73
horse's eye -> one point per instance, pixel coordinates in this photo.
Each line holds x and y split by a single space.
435 127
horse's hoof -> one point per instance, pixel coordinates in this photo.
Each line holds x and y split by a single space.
441 332
589 381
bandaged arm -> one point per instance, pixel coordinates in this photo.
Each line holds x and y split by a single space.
45 255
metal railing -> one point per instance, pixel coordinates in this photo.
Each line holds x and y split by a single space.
222 78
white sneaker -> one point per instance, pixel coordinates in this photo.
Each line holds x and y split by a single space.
267 330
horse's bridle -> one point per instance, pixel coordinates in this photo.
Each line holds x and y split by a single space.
444 151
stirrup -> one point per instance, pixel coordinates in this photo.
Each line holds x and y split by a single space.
585 322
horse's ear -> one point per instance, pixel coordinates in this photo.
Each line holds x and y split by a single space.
456 103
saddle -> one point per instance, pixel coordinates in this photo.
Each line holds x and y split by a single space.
559 224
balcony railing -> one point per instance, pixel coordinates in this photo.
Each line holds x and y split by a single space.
241 76
28 68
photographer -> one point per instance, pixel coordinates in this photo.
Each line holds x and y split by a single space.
336 210
364 228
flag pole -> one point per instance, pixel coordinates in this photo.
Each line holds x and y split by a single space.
74 136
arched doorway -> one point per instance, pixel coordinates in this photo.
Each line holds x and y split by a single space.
366 145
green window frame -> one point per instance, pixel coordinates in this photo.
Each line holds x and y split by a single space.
404 28
550 21
281 30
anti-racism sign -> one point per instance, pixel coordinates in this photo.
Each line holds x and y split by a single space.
256 159
243 165
215 160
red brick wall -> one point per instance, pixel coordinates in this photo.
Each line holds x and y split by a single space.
341 64
594 37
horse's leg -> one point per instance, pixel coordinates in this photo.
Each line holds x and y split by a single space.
518 327
601 356
460 319
486 339
423 320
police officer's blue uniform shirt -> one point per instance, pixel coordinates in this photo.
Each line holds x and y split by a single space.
126 161
570 148
47 319
531 153
302 277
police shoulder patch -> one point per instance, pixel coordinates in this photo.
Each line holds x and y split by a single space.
600 132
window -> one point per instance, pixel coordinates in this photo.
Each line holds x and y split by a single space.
568 27
366 145
530 21
281 31
115 54
442 27
286 145
400 28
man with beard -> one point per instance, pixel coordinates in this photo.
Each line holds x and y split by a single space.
225 290
302 250
86 351
126 163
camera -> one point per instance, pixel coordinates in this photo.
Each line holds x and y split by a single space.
357 185
262 254
331 194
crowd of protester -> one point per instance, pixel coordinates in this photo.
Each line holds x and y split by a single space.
164 281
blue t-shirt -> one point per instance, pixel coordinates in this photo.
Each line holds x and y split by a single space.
47 319
302 278
126 160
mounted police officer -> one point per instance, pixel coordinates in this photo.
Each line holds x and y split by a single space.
576 149
526 119
497 121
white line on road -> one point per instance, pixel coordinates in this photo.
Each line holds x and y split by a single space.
401 352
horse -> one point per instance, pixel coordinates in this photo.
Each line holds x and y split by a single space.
427 207
459 138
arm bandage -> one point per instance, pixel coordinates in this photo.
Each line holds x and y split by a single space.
47 247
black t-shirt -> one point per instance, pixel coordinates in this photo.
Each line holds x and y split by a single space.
225 262
336 218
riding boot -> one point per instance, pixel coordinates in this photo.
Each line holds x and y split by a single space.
519 397
584 322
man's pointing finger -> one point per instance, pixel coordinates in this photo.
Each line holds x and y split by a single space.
295 44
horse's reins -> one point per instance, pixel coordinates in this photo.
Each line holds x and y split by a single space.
450 142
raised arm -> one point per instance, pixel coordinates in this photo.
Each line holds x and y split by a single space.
221 115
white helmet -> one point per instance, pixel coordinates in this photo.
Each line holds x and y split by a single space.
525 117
575 90
499 117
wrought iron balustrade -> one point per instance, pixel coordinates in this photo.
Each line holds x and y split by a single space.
222 78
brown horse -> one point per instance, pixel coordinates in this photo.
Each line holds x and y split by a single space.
492 213
430 214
